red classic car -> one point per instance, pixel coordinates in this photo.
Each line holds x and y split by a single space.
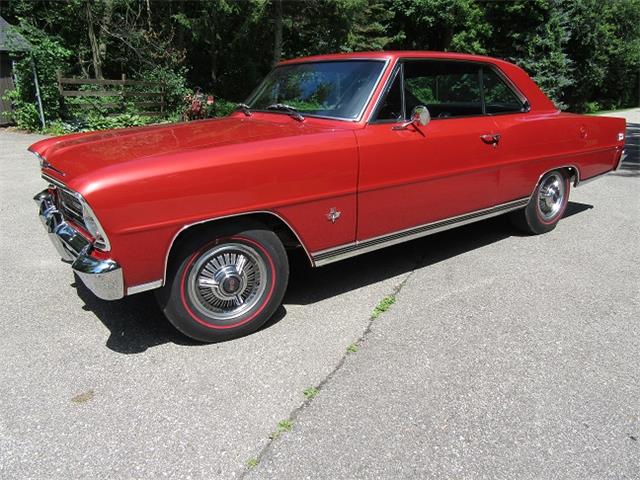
337 154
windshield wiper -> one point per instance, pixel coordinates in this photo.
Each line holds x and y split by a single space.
293 113
245 109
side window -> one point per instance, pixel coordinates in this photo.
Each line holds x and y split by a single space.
447 89
391 106
498 96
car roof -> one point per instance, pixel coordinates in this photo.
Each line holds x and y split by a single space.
391 55
538 101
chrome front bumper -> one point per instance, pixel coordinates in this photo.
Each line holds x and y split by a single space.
103 277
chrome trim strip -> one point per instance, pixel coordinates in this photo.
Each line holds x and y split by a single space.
375 87
331 255
143 287
492 66
242 214
46 165
576 182
383 92
57 183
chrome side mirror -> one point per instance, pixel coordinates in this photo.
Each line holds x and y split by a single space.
420 117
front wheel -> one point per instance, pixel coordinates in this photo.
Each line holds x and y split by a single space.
546 206
228 286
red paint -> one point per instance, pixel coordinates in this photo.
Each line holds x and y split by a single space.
146 184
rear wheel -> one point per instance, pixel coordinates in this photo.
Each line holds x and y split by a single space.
546 206
228 286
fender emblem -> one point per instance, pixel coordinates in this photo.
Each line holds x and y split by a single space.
333 215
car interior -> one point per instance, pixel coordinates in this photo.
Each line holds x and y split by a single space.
448 89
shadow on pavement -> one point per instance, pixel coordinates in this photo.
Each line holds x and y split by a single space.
309 285
136 323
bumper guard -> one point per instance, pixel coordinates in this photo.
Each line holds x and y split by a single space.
103 277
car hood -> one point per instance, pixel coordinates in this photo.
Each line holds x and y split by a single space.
70 156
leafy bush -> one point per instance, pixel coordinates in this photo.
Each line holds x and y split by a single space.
96 121
49 55
24 113
174 81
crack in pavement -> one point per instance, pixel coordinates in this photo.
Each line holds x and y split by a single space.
296 412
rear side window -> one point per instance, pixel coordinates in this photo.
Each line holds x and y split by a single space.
498 96
447 89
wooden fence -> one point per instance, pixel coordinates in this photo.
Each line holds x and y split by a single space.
144 95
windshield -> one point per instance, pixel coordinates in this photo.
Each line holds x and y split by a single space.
338 89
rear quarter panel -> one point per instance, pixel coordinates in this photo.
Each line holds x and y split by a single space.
534 143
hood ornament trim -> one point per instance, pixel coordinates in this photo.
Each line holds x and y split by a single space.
45 164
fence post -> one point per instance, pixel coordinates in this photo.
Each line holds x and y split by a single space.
62 104
123 94
38 97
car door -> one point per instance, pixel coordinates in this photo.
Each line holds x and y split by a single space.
524 135
421 174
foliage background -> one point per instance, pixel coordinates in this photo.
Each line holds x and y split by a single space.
585 54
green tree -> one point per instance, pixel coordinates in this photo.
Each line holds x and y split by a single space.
534 34
448 25
370 24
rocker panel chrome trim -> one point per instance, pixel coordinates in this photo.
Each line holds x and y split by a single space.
143 287
331 255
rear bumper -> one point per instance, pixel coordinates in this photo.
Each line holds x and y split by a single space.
620 154
103 277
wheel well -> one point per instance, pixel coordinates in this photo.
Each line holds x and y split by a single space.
574 174
273 222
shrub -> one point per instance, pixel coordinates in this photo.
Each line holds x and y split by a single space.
49 55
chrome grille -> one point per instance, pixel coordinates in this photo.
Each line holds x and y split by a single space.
70 206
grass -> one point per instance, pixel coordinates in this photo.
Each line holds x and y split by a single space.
353 348
311 392
383 305
283 426
252 463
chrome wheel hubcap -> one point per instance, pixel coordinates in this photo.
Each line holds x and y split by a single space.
551 196
227 281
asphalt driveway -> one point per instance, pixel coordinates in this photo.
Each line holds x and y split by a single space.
500 356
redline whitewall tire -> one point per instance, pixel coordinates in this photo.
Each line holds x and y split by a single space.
226 286
546 205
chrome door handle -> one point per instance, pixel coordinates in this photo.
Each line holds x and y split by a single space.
490 139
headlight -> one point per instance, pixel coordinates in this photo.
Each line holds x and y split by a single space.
93 226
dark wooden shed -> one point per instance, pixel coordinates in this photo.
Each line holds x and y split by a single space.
11 42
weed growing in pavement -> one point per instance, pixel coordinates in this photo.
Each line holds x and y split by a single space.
353 348
383 305
311 392
283 426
